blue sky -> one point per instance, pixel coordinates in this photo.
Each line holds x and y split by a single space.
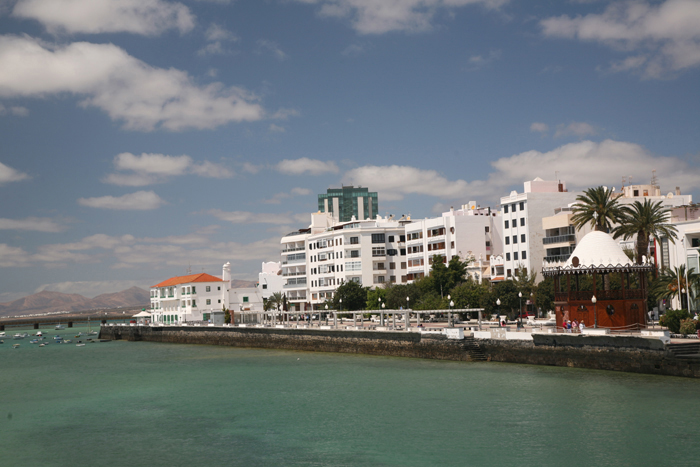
143 137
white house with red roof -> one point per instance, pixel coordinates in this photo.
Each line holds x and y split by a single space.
188 298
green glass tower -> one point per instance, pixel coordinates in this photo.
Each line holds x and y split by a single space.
349 201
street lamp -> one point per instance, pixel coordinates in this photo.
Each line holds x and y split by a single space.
498 311
319 321
595 311
452 324
520 313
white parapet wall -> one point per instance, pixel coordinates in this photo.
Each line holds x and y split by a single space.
596 332
454 333
518 336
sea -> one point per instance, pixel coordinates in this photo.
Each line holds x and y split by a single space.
149 404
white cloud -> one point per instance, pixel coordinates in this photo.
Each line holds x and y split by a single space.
276 128
477 62
8 174
378 17
284 114
539 127
271 46
306 165
245 217
145 17
147 169
127 251
579 129
127 89
140 201
217 35
16 111
395 181
277 198
582 164
11 257
38 224
663 38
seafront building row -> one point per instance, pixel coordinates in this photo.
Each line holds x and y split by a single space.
347 241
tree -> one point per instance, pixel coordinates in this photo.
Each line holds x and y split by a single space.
227 315
674 283
275 301
596 206
544 295
396 295
648 219
446 277
354 297
373 295
507 292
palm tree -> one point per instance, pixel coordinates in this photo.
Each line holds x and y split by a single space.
648 219
598 207
276 300
674 283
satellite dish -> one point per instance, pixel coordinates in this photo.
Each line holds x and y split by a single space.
669 195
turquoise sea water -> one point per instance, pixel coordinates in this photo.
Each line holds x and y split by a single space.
146 404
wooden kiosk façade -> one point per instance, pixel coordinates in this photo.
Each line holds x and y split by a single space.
600 285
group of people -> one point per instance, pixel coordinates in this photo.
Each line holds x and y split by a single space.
573 326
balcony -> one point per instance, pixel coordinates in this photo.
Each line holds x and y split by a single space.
557 258
289 250
298 298
570 238
303 273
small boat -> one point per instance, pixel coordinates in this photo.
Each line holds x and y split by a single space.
67 341
34 341
42 345
39 334
80 345
59 327
14 346
57 338
18 336
2 334
78 335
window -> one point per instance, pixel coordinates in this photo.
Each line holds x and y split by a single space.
379 279
245 299
392 252
515 256
507 256
524 255
194 290
505 209
403 265
354 253
486 229
402 238
392 265
354 240
194 303
378 251
208 301
353 266
512 207
515 239
218 288
264 286
208 288
391 239
378 238
508 274
183 303
506 224
452 244
184 289
507 240
379 267
488 244
219 300
522 206
522 238
522 222
403 252
392 279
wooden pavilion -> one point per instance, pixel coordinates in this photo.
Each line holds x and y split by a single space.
600 285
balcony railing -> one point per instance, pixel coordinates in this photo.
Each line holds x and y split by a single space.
557 258
301 248
294 274
559 239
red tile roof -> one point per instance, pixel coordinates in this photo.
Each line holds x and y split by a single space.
203 277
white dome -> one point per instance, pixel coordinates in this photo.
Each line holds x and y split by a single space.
598 249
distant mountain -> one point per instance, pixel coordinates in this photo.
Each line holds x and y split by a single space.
46 301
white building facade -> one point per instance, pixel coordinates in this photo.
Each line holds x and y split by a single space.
471 233
187 298
270 279
315 261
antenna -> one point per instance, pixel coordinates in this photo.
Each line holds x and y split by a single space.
624 180
189 268
654 181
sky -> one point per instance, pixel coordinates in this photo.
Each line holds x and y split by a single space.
140 139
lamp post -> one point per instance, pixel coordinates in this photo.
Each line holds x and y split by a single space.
381 313
520 311
498 311
595 312
319 321
452 324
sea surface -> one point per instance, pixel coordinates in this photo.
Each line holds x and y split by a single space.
147 404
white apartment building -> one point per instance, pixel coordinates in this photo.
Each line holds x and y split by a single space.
523 231
270 279
471 232
316 260
685 251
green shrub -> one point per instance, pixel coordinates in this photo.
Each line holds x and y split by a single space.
687 327
672 319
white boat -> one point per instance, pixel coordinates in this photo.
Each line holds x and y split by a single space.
80 345
2 334
18 336
39 334
14 346
90 331
59 327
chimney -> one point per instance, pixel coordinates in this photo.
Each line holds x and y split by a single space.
678 191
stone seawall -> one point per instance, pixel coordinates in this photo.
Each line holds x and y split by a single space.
593 352
409 344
